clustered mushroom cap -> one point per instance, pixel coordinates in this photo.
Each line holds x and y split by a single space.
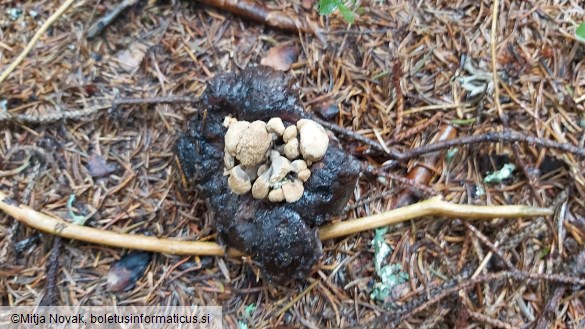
255 161
254 143
276 126
314 140
239 181
234 134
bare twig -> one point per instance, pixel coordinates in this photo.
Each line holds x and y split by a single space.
254 11
97 106
434 206
353 135
421 173
491 137
416 129
490 245
406 181
495 323
106 20
156 100
52 117
52 271
35 38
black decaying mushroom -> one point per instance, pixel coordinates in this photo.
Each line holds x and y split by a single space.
281 237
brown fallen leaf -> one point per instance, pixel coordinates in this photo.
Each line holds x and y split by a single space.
124 273
281 57
326 109
98 167
130 58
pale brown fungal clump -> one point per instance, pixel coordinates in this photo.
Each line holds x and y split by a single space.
271 160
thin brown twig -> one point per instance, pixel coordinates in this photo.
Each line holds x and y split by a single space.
52 271
107 19
490 245
416 129
156 100
491 137
262 14
351 134
409 182
420 172
52 117
490 321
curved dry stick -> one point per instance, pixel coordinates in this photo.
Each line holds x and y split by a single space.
433 206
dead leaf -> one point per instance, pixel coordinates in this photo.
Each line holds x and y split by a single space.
98 167
281 57
131 57
124 273
327 109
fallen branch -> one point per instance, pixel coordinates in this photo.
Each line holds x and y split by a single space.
491 137
432 207
106 20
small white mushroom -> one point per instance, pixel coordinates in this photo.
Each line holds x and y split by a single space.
304 175
254 142
298 165
274 155
234 134
261 186
276 195
228 160
275 125
239 182
314 140
293 191
289 133
280 168
262 169
227 121
291 149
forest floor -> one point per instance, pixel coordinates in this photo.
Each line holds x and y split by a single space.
401 73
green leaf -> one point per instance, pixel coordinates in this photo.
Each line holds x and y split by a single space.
347 14
580 32
327 7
